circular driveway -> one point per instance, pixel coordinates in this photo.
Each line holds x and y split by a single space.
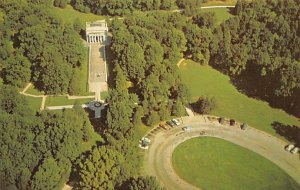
158 158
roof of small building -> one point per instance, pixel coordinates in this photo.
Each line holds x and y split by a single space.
97 26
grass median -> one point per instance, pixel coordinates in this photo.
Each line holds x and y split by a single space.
212 163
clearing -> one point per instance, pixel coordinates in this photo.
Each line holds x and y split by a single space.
219 3
69 15
204 80
222 14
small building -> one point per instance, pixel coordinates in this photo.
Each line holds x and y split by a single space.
97 107
96 32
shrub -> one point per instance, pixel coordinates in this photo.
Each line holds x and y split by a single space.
205 105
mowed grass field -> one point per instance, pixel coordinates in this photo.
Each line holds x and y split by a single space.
33 103
222 165
204 80
222 14
69 15
220 3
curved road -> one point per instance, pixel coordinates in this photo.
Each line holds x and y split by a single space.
158 158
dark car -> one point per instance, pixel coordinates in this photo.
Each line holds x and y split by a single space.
171 123
232 122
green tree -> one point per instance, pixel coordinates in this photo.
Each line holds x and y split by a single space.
56 78
167 4
74 88
178 108
205 105
148 182
17 71
49 169
11 101
164 112
205 19
137 116
78 25
190 6
152 118
198 43
61 3
101 169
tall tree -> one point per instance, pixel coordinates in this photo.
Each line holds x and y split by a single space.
101 168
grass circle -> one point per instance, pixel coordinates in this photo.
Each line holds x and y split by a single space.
212 163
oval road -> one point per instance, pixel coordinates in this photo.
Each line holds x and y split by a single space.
158 158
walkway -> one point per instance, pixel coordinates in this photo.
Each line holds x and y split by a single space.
158 159
97 70
44 97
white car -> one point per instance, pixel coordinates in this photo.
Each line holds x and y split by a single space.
289 147
175 121
295 150
143 147
187 128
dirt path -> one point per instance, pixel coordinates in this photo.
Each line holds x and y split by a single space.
158 159
180 61
26 88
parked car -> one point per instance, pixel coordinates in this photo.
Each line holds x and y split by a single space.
232 122
289 147
244 126
144 143
295 150
176 121
221 120
187 128
170 123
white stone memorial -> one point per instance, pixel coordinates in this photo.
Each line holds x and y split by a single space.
96 32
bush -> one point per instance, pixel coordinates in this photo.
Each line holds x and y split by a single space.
60 3
205 105
153 118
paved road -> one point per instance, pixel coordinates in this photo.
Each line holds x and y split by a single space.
158 157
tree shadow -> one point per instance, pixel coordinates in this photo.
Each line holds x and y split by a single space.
291 133
231 10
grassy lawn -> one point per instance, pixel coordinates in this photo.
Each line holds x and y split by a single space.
222 14
84 74
63 100
32 90
33 103
204 80
218 164
69 15
85 146
104 95
219 2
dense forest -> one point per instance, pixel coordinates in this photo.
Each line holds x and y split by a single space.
125 7
44 150
37 150
38 47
